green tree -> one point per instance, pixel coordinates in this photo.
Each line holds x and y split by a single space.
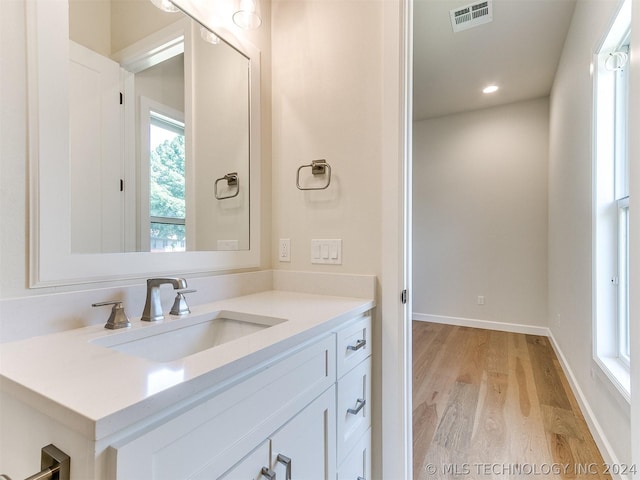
167 187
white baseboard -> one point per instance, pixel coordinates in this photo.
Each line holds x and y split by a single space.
603 444
486 324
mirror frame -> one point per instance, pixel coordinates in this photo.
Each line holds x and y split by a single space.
51 260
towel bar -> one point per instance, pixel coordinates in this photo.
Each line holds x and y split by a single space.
55 465
318 167
232 180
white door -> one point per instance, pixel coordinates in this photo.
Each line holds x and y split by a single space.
96 162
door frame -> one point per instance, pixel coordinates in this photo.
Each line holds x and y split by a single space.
395 333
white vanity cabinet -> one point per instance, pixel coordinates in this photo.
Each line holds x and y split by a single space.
288 421
289 402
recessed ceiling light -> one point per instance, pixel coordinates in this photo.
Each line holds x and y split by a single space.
490 89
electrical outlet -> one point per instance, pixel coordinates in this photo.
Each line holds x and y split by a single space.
228 245
284 250
480 299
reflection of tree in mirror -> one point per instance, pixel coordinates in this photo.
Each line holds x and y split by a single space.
167 189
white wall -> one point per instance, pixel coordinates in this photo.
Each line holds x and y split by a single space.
221 144
570 219
336 98
13 150
480 214
90 24
163 83
327 104
108 26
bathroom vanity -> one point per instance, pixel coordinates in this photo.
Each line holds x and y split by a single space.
270 385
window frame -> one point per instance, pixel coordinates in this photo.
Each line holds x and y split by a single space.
610 207
622 313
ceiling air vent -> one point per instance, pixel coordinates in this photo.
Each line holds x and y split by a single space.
471 15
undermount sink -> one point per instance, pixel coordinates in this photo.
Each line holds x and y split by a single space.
175 339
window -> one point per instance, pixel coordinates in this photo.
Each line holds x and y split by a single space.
166 183
611 204
617 63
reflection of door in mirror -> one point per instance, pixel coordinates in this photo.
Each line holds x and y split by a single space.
145 155
96 159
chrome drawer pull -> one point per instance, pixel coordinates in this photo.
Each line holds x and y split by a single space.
286 461
359 344
267 472
359 406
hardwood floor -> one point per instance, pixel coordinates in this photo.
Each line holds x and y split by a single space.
495 405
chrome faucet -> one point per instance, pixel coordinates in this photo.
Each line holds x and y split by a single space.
153 307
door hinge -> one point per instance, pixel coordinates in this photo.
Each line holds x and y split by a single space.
403 296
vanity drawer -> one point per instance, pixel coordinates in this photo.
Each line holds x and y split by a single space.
357 464
354 344
353 407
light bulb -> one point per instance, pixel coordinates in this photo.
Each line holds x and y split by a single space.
490 89
247 16
208 36
165 6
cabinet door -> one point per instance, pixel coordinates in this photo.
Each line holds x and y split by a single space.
305 447
210 438
250 467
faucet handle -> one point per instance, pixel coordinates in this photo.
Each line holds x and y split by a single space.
180 306
118 317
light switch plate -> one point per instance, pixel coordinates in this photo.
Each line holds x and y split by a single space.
326 251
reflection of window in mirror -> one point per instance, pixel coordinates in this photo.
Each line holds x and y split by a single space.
166 184
162 186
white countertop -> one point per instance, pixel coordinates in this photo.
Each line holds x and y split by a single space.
98 391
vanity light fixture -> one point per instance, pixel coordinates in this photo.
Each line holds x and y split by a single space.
490 89
165 6
247 14
208 36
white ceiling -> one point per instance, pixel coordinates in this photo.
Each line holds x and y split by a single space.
519 51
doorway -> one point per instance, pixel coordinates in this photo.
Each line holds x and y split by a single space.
482 74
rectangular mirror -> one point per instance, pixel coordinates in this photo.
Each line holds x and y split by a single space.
159 184
159 132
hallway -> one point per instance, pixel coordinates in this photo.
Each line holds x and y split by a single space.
495 405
